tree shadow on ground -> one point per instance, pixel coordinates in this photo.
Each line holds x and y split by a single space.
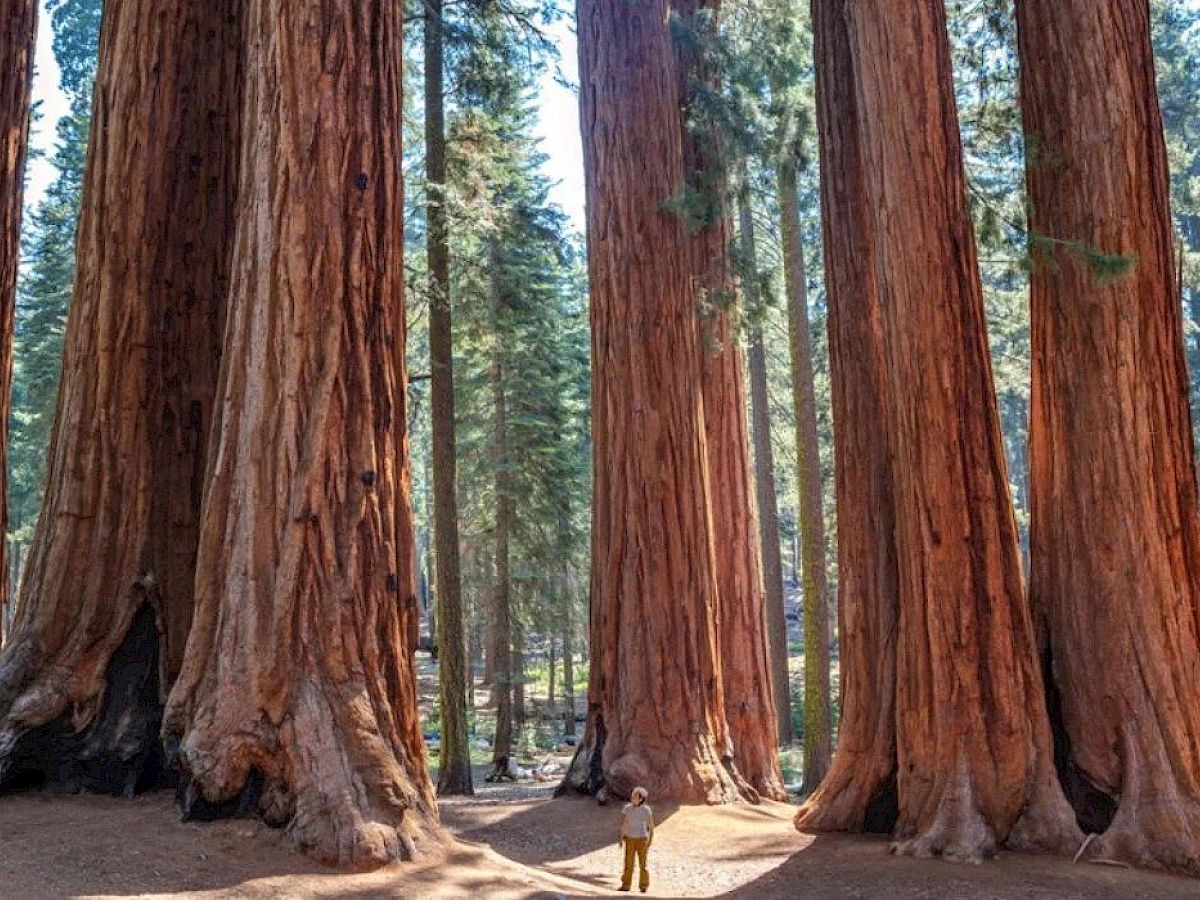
843 865
56 846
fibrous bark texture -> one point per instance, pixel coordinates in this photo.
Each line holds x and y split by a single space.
745 660
974 763
298 693
16 83
859 792
119 523
1115 534
741 620
656 703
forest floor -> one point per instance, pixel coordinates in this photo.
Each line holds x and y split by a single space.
513 841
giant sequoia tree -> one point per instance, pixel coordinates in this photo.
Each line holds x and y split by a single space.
1115 532
656 705
943 691
16 82
106 601
298 691
741 613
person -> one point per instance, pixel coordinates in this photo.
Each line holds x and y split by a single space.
637 834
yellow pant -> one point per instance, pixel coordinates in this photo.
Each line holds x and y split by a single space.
636 847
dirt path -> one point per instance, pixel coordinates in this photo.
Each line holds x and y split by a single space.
515 843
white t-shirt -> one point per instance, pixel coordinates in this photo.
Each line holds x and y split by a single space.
637 820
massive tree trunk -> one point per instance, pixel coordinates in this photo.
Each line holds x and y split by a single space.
106 603
1115 533
764 484
974 765
656 705
454 768
298 693
859 792
810 493
16 83
741 614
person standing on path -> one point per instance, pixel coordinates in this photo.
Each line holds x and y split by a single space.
637 834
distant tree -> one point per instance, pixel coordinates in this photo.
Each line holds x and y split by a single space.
454 756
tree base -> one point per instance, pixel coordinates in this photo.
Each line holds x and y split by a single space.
330 775
852 799
699 779
1157 823
119 753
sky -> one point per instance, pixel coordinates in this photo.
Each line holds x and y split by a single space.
558 125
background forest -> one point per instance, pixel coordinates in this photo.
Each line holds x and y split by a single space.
517 284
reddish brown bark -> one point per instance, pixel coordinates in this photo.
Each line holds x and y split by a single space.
116 542
741 622
656 706
859 791
16 82
973 748
741 613
298 693
1115 533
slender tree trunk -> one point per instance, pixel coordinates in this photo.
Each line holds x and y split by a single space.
973 751
501 614
552 669
17 46
764 468
809 490
519 709
1115 530
454 771
742 639
298 694
656 704
568 653
106 605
